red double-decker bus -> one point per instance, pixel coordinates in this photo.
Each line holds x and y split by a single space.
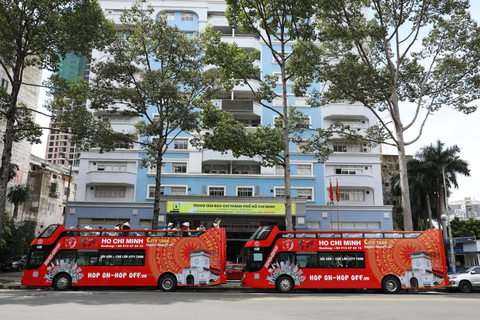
344 260
64 258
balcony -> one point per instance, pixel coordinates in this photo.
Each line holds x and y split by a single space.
111 178
346 111
215 156
355 181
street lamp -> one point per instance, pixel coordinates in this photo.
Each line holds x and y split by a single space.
68 186
447 216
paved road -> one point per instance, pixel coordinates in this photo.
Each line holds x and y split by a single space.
29 304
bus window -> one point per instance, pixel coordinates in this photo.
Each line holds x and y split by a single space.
305 235
87 257
36 255
110 258
341 259
65 255
393 235
288 235
353 235
373 235
284 258
263 233
307 260
134 258
329 235
254 258
411 235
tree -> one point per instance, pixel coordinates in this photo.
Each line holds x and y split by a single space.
425 176
37 34
278 24
377 56
156 73
465 228
17 195
17 237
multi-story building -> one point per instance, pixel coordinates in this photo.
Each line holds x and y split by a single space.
48 186
464 209
59 149
21 150
200 185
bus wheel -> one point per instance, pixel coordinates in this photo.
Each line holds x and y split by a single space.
465 287
168 283
284 284
62 282
390 285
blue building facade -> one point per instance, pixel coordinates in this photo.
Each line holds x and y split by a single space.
200 185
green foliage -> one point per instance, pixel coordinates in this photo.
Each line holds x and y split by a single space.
382 61
37 34
465 228
425 176
155 74
16 238
17 195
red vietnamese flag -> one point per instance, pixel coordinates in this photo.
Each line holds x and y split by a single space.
337 193
331 190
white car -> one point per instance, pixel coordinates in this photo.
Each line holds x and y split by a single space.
465 280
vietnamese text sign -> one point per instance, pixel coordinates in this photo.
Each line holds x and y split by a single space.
227 207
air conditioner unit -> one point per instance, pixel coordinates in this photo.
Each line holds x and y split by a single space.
365 150
214 172
223 171
246 172
237 171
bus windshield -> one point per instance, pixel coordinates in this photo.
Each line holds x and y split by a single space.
261 233
49 231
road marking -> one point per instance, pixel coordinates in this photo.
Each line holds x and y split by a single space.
347 299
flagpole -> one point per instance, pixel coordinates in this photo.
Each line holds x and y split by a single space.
338 213
330 203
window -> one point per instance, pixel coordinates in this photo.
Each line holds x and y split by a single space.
353 123
121 258
301 101
355 225
153 168
244 191
216 191
115 118
109 192
187 16
112 166
169 16
179 167
351 195
279 170
151 191
349 170
305 193
349 147
277 101
313 224
341 260
279 192
180 144
51 207
304 169
180 191
4 84
308 260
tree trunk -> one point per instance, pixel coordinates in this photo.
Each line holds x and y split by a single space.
402 162
286 140
158 184
7 151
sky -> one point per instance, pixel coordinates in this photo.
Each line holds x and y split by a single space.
449 126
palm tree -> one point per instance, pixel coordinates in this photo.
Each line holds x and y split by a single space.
17 195
436 161
425 176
